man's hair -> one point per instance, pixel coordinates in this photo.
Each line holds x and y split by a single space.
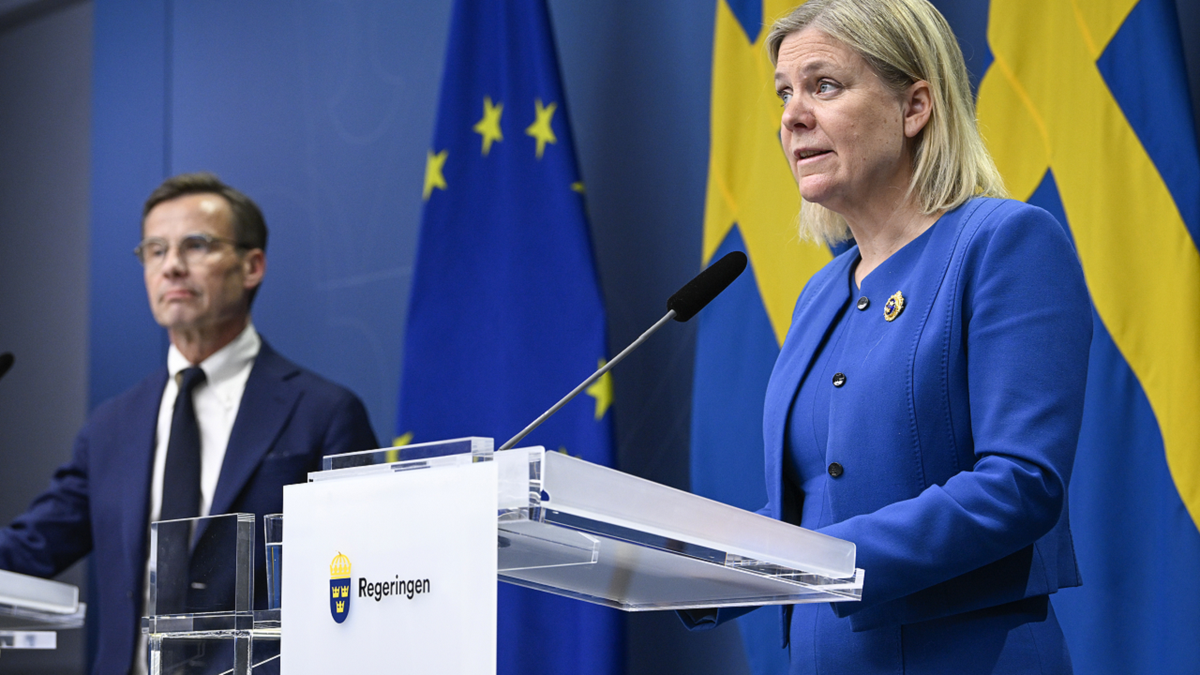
249 227
904 41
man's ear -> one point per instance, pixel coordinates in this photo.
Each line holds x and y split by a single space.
254 266
918 106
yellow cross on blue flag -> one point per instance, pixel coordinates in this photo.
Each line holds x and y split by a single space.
506 313
1085 107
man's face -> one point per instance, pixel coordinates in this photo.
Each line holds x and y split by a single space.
201 292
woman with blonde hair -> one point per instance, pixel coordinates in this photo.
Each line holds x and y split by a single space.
927 401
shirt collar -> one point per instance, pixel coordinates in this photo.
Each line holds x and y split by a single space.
225 362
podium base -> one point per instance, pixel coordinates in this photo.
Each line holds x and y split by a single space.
214 644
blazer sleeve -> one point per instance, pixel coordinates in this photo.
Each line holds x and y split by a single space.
55 531
1026 327
349 429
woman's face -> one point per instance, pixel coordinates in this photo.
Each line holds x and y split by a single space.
845 133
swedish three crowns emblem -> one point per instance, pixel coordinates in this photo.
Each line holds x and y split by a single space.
339 587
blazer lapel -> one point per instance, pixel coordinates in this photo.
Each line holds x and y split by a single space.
135 454
811 322
266 406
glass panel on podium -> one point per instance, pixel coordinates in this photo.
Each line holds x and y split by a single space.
405 458
573 528
32 610
602 536
200 616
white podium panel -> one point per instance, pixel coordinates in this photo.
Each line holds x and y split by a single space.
392 571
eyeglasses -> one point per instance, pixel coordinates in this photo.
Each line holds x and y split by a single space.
194 249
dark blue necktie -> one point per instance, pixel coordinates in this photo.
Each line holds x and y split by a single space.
181 477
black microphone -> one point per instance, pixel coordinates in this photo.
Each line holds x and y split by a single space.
6 361
698 292
686 302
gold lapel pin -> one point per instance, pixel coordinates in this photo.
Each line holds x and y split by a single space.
894 306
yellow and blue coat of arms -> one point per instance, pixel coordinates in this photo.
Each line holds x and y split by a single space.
339 587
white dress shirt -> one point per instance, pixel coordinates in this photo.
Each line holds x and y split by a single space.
216 401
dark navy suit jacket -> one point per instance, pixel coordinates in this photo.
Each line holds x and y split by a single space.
99 501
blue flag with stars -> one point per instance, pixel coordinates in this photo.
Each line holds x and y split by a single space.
506 314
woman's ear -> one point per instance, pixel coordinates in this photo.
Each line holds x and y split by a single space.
918 106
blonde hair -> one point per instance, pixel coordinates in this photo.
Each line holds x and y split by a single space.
904 41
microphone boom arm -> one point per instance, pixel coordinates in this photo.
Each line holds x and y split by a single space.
586 383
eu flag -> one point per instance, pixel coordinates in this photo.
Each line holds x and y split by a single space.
506 313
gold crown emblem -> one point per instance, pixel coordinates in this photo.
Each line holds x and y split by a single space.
341 606
894 306
340 567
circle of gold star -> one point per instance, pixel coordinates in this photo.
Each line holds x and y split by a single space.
433 172
540 129
489 126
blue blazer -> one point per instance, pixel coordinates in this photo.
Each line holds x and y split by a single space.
956 430
99 501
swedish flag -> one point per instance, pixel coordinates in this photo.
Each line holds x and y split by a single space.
1086 111
506 313
1085 108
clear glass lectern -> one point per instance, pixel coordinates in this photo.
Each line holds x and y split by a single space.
585 531
33 610
200 616
564 526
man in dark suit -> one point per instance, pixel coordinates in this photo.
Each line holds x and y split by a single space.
221 429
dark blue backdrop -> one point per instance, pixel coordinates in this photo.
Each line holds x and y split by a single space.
323 113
